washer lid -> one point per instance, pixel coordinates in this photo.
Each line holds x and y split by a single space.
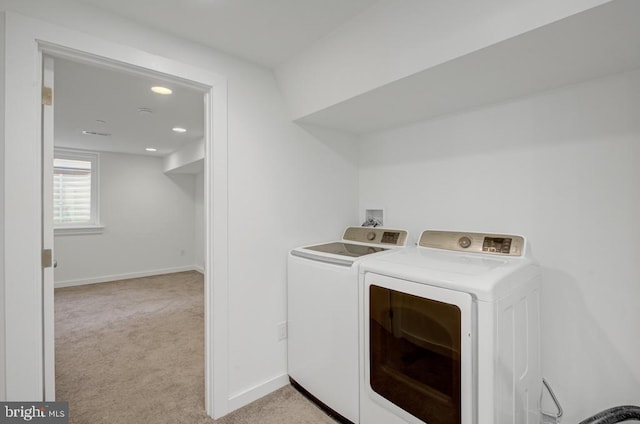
346 249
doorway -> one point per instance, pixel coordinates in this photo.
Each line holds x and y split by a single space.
25 43
125 189
26 40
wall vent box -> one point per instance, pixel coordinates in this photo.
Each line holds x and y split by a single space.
374 216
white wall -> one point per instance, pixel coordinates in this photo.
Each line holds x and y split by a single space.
395 39
22 237
287 187
149 224
560 168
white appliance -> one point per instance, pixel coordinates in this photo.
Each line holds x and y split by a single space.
450 332
322 299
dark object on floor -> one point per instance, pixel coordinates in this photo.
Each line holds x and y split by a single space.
614 415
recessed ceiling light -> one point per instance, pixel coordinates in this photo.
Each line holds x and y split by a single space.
151 149
161 90
179 129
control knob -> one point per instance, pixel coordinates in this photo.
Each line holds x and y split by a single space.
464 242
371 236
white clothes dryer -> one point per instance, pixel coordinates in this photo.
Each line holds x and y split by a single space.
450 332
322 303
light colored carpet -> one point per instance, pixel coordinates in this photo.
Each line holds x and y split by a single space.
132 351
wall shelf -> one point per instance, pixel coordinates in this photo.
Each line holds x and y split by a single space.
600 41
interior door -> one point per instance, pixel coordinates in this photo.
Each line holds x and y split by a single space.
47 231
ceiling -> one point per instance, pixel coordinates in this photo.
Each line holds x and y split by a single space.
95 99
267 32
98 100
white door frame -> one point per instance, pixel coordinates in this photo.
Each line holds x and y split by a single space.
26 40
48 318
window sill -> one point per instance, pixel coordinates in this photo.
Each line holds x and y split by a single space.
71 231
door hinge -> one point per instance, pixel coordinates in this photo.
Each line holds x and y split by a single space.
47 258
47 96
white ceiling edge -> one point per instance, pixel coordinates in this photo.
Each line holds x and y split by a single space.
600 41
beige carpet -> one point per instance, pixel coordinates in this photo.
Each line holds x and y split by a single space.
132 352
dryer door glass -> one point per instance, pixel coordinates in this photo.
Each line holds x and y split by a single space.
415 346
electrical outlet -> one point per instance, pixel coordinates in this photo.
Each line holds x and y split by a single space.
282 330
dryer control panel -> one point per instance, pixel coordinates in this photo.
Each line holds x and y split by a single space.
497 244
382 236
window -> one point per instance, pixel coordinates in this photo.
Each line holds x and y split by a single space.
75 190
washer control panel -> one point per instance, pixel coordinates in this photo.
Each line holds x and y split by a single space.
497 244
383 236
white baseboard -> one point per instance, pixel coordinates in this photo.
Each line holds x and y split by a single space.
245 397
199 268
116 277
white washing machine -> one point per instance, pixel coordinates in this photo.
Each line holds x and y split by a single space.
322 303
450 332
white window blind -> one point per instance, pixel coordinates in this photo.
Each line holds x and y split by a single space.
71 191
75 192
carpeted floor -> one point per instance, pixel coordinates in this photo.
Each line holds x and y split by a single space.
132 351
